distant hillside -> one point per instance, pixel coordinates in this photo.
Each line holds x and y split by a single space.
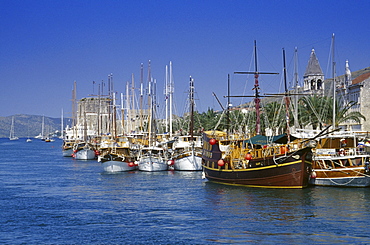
30 125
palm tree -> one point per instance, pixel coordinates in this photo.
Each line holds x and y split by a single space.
316 111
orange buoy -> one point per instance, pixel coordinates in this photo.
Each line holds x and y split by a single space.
221 163
248 156
212 141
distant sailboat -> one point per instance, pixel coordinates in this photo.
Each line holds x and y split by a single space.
12 135
28 137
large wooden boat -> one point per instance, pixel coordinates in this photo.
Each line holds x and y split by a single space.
256 162
259 161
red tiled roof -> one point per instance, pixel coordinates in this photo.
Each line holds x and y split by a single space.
361 78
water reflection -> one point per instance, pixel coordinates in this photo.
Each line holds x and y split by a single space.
318 213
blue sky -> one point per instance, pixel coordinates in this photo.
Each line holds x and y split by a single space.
47 45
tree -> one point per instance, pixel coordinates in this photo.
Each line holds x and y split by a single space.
318 110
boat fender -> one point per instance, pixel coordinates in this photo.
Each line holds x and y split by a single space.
171 162
221 162
313 175
248 156
212 141
131 164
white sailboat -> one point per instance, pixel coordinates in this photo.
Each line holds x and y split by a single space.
187 150
12 135
152 157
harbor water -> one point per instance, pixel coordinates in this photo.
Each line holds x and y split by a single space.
50 199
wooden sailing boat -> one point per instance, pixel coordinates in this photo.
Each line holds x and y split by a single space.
115 151
341 159
260 161
12 134
187 154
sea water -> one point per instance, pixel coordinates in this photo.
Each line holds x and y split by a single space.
50 199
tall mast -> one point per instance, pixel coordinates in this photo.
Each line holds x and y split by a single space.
127 126
166 97
296 123
141 95
334 86
287 100
228 106
114 126
122 114
256 89
132 106
191 95
74 108
171 95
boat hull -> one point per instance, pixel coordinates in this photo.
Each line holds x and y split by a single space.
188 163
341 177
152 164
117 166
67 153
294 174
85 154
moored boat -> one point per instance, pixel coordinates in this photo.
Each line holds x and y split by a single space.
341 160
152 159
261 161
117 156
187 154
84 151
187 150
252 163
67 148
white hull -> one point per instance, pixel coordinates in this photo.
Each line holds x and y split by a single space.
152 164
67 153
85 154
117 166
355 177
359 181
188 163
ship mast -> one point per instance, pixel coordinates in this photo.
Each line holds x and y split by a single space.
256 88
334 86
287 100
191 95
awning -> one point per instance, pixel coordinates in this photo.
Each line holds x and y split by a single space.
265 140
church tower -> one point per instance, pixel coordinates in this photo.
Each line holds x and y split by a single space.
313 77
348 78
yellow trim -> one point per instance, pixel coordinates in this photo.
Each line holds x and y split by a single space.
252 169
260 186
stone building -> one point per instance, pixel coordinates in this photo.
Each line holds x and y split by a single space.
313 77
352 86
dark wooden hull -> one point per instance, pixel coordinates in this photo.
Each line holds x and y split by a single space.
281 171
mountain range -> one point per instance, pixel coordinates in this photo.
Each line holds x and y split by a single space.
31 125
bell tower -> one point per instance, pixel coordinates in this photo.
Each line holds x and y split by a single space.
313 77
